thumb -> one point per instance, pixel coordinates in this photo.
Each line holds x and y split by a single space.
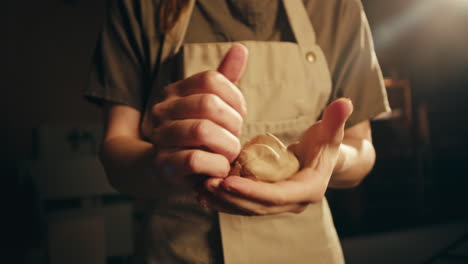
335 116
233 64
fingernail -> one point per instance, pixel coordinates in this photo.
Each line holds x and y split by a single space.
213 184
349 100
229 189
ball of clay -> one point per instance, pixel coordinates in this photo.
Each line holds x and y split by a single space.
265 158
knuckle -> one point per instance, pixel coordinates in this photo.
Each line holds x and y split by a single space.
169 89
227 168
157 112
193 161
208 103
238 123
224 167
208 79
237 147
200 129
233 150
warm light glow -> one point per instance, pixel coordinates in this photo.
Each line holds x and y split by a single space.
461 2
390 31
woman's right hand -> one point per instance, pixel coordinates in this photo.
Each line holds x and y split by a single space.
195 128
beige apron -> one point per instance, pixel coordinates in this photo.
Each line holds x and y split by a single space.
286 86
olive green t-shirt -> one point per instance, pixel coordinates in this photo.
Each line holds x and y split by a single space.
126 53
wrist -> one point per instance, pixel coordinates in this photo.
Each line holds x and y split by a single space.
343 175
342 161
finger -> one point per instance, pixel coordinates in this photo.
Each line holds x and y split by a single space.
233 64
210 82
336 114
196 133
207 199
245 204
305 186
179 166
201 106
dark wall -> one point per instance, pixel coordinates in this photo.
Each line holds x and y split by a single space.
49 44
425 42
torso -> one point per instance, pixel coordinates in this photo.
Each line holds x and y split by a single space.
285 94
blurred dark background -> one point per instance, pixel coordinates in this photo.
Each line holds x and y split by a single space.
56 195
421 170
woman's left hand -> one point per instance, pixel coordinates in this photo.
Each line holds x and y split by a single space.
318 153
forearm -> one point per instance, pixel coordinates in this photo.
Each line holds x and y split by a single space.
127 162
356 159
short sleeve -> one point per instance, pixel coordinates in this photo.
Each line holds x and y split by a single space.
356 74
121 65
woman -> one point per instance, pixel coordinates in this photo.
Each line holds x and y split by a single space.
181 99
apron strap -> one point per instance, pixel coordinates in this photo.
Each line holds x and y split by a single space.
170 44
300 22
295 10
175 37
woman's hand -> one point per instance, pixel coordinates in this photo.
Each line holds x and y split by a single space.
318 152
196 127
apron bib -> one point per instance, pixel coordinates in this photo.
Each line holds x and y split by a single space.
286 86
